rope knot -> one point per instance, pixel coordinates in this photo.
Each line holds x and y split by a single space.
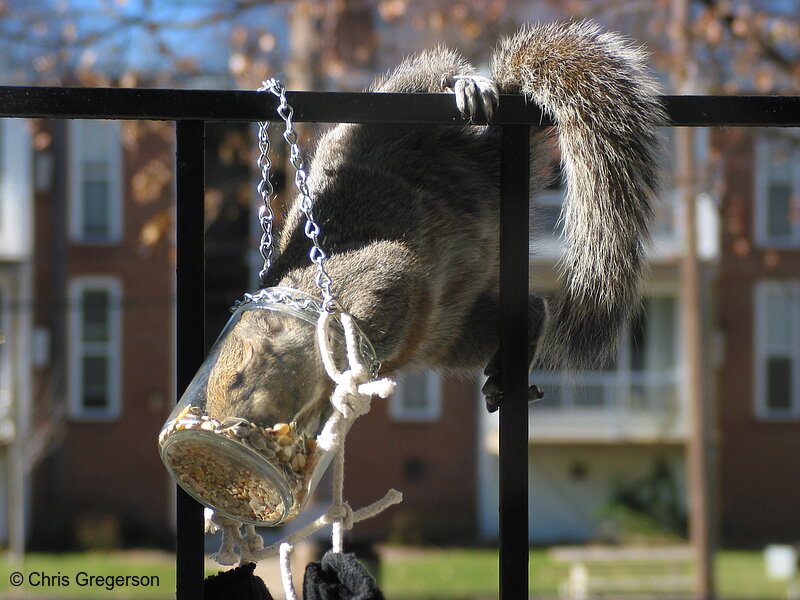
342 514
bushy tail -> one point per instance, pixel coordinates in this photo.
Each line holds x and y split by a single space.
596 87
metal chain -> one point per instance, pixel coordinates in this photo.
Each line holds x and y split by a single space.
312 229
265 190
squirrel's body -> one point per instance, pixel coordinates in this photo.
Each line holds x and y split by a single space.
410 213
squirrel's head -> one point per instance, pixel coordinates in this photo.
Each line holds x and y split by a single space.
267 369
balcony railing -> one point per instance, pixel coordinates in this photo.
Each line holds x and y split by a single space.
609 407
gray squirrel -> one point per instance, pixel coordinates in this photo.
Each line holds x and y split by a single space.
410 216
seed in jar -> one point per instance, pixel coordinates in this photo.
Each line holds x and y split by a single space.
231 424
258 442
242 432
185 411
281 428
226 487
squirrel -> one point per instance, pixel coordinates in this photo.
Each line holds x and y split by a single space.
410 219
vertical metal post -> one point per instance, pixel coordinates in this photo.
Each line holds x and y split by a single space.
190 264
514 206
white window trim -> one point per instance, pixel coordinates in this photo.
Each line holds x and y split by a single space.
75 366
75 136
761 291
762 236
432 410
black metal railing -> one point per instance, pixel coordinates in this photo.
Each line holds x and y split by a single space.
191 109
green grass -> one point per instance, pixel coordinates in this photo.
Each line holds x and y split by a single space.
406 574
472 574
457 574
741 575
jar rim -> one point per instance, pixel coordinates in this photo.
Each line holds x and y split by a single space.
246 459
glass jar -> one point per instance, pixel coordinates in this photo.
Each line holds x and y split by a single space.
243 438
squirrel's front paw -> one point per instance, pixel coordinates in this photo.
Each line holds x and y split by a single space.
475 95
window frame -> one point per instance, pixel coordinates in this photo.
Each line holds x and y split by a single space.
432 411
761 182
76 144
762 350
112 348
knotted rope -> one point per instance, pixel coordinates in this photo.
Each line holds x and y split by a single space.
351 398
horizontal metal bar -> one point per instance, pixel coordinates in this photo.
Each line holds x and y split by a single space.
349 107
734 111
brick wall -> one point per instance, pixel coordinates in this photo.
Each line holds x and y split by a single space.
104 480
432 464
758 494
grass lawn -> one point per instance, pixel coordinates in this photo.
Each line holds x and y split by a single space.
406 574
472 574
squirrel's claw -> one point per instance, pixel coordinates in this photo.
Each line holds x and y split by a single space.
493 391
475 95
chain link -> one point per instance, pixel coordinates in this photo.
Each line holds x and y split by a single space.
312 230
265 190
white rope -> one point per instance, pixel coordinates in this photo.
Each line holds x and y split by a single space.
391 498
286 572
351 398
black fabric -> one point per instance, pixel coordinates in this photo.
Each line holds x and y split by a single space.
339 577
237 584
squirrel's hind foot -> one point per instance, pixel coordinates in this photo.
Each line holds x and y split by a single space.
493 392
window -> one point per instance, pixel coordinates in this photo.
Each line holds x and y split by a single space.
777 368
95 348
778 192
418 397
95 182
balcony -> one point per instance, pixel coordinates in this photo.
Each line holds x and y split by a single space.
608 407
